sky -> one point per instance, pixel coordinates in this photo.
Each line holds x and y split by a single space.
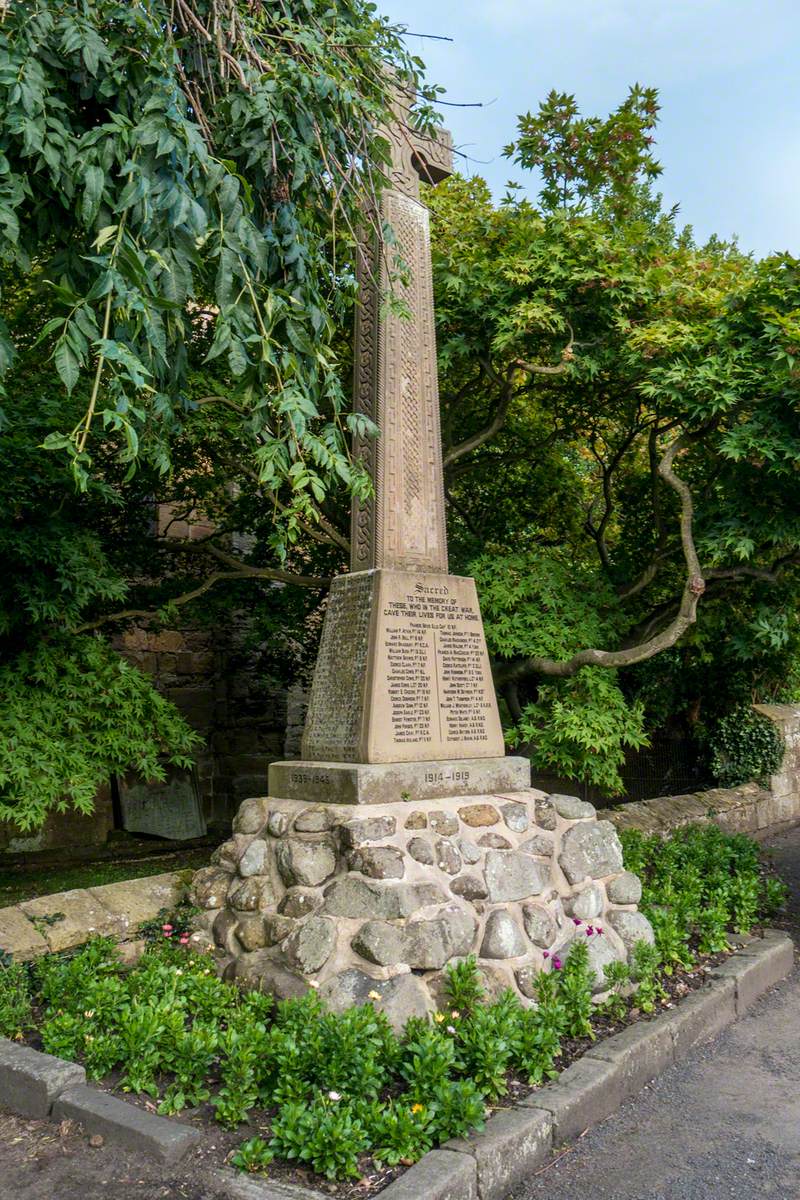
728 74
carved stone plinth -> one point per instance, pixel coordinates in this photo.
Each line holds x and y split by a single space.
384 783
372 904
402 673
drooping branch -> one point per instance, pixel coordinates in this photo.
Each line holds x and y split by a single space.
241 572
683 619
495 423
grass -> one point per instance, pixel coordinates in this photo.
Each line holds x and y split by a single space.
24 883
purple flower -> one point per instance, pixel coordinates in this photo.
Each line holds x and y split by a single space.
598 929
589 930
556 964
575 921
546 954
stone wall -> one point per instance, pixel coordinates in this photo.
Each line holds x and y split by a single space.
217 683
373 901
745 809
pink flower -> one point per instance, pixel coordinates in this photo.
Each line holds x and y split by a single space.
556 964
167 933
167 928
598 929
589 930
184 939
545 954
575 921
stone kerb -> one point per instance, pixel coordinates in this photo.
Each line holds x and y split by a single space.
374 904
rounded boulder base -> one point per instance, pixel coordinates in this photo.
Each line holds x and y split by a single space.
370 904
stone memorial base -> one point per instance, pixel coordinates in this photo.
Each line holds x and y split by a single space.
384 783
372 905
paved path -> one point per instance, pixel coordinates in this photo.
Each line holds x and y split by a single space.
725 1123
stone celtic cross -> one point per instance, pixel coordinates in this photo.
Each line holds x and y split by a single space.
403 524
402 699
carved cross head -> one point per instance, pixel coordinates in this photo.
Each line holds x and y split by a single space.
415 156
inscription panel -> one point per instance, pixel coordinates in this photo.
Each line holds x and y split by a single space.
335 717
431 693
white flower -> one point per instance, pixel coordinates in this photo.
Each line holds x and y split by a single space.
451 1028
334 1096
312 983
373 995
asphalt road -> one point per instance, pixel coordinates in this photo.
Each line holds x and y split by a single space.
725 1123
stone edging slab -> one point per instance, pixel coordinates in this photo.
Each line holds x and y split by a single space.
486 1166
745 809
64 920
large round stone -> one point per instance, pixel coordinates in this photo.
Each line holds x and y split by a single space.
421 850
632 927
250 931
430 944
540 925
358 832
381 943
313 820
468 850
545 814
361 898
447 857
590 849
469 887
261 970
299 903
625 889
572 808
210 887
252 815
476 815
310 946
254 859
513 875
400 998
516 816
305 863
254 894
540 843
502 937
444 823
378 862
585 905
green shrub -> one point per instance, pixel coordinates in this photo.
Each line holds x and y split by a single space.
745 746
340 1085
15 1000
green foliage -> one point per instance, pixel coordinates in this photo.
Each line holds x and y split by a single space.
536 604
463 985
575 991
646 963
590 160
617 977
745 746
698 885
146 166
325 1133
60 741
579 728
326 1089
253 1156
16 1016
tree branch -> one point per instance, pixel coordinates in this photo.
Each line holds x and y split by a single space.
494 426
685 617
244 572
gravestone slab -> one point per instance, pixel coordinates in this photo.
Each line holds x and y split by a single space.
169 810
